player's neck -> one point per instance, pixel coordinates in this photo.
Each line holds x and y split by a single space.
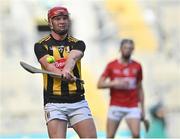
124 61
57 36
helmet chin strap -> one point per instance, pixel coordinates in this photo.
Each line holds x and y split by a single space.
61 32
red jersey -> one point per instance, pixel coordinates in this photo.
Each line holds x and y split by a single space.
132 73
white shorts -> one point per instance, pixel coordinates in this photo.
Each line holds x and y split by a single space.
117 113
70 112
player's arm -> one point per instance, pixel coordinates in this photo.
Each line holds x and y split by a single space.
103 83
49 66
42 54
116 83
106 82
75 54
73 57
141 98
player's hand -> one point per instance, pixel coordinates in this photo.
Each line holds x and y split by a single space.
120 84
142 115
67 75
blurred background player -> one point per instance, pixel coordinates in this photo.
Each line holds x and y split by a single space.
126 91
64 101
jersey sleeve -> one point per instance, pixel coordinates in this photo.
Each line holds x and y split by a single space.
140 74
107 71
80 45
40 50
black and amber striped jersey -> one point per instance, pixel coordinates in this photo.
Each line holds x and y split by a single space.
56 90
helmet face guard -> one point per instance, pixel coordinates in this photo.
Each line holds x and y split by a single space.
56 11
